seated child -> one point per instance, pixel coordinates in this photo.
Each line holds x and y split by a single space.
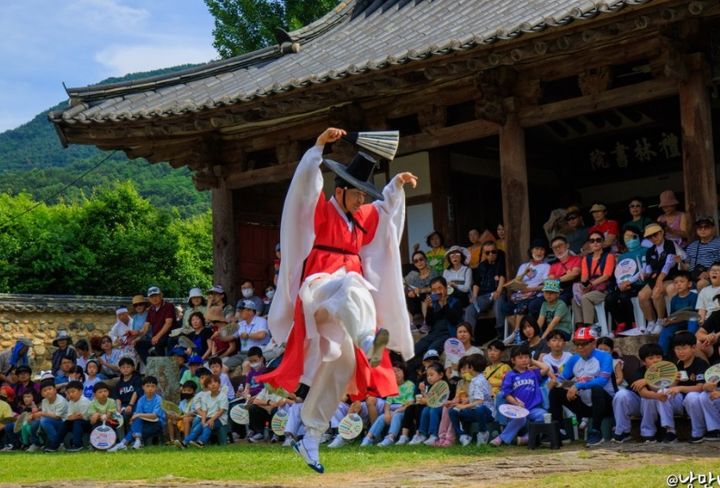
346 407
477 405
685 299
180 358
710 403
690 384
76 418
262 408
256 361
101 407
495 373
27 406
194 363
92 368
429 417
608 345
554 313
558 356
216 366
53 410
7 396
521 387
640 399
178 426
148 419
392 405
127 389
212 408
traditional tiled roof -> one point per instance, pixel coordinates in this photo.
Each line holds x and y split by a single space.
357 37
63 303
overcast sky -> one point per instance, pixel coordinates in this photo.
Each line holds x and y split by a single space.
46 42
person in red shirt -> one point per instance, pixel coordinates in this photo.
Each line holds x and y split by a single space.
160 319
608 228
566 268
340 295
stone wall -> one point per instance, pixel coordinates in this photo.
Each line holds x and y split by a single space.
40 317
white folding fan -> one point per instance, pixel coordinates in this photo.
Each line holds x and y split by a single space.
380 143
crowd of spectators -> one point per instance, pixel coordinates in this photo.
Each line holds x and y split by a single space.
642 273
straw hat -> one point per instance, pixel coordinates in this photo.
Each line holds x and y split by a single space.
138 299
652 229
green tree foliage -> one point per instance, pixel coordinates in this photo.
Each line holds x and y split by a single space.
114 243
242 26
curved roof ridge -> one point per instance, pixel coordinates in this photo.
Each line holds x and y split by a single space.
306 33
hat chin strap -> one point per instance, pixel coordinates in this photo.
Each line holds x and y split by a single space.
349 214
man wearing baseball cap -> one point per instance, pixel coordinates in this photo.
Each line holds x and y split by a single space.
608 228
252 331
160 319
703 252
586 385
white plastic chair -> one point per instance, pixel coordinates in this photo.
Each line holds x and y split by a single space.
603 319
638 313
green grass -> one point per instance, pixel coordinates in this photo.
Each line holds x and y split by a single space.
243 462
645 476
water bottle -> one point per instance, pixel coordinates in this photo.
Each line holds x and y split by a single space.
267 433
693 325
518 339
574 426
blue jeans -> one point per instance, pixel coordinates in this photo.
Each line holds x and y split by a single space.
396 423
666 335
480 414
54 430
378 427
500 400
144 429
78 428
430 420
514 425
201 433
482 304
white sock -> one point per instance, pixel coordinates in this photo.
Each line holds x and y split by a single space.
312 446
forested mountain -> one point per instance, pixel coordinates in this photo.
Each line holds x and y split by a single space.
33 161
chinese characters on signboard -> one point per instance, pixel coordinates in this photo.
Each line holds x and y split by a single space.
640 150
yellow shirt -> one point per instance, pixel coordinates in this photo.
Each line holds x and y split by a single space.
495 373
474 255
5 410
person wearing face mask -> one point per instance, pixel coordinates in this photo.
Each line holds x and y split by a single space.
267 301
256 363
630 280
248 293
252 332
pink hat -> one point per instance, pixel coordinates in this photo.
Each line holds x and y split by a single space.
667 199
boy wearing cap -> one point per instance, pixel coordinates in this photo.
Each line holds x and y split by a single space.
703 252
589 371
53 411
554 313
608 228
179 356
190 374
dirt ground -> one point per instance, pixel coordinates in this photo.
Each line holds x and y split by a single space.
487 471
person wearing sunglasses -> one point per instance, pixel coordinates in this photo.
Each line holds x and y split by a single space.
488 281
608 228
576 233
703 252
662 261
596 270
637 219
585 385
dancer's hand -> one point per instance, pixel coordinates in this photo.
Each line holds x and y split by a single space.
331 134
407 177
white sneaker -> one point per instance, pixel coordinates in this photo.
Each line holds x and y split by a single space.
417 439
120 446
288 441
33 448
483 438
584 422
387 442
366 442
659 324
402 440
137 444
465 440
7 448
314 464
650 327
337 442
325 438
431 440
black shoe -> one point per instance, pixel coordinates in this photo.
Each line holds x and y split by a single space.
670 438
697 440
74 449
713 436
620 438
648 439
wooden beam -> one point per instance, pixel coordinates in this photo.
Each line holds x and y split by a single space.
697 145
440 193
619 97
466 131
225 258
514 185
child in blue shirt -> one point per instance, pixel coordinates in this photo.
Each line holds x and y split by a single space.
148 419
685 299
521 387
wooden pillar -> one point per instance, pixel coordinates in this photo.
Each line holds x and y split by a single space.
697 144
514 190
225 248
440 194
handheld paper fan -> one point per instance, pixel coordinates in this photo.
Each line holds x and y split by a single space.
661 375
171 407
712 374
185 343
380 143
438 394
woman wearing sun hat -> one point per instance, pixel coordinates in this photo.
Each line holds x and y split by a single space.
457 274
673 221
